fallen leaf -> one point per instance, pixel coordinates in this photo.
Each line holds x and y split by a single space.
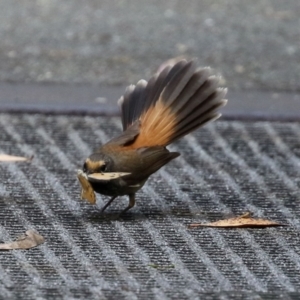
244 220
107 176
87 191
29 240
11 158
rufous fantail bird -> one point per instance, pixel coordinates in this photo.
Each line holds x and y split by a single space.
175 101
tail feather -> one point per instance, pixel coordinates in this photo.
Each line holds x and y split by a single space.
210 115
195 97
197 80
124 101
197 119
137 96
196 108
150 94
178 83
173 103
175 82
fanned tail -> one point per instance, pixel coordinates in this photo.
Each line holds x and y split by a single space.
173 103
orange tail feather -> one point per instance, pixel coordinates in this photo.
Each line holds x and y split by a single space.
173 103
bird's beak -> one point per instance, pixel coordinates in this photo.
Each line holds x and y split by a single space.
87 172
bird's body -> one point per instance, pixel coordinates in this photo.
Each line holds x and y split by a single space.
173 103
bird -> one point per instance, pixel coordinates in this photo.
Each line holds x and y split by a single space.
175 101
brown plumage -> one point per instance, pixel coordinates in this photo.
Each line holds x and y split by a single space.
174 102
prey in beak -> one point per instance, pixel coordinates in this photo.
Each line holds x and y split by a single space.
87 191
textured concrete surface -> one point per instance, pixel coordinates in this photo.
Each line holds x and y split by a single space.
225 169
76 57
254 44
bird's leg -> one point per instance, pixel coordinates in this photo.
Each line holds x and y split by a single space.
108 203
130 204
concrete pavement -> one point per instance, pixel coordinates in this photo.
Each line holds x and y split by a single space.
254 44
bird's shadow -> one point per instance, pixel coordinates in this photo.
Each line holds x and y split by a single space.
133 215
113 216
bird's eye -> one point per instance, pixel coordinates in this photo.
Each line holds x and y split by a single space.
84 168
103 168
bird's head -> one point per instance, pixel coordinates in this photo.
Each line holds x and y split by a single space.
97 163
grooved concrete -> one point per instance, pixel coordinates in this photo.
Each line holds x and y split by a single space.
225 169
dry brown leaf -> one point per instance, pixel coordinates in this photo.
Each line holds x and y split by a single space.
87 191
244 220
107 176
29 240
11 158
